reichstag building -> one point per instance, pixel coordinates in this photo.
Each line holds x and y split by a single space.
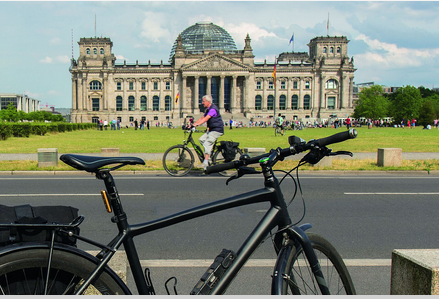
205 60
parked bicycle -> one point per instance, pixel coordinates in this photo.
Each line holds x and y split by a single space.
178 160
306 262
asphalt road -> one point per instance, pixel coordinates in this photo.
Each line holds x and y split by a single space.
364 216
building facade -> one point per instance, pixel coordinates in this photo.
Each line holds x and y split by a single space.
204 60
20 101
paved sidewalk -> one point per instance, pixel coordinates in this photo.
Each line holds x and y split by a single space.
159 156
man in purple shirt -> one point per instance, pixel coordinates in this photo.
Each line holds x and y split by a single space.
215 127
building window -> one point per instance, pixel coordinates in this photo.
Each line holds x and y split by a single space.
167 103
168 85
258 102
131 103
307 85
270 102
131 86
88 51
118 103
102 51
331 84
143 85
95 85
331 50
156 85
94 120
331 102
259 85
270 85
324 50
338 50
155 103
131 118
143 103
95 104
282 102
294 102
119 85
95 51
306 102
295 85
283 85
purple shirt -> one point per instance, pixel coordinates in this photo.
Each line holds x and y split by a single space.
212 113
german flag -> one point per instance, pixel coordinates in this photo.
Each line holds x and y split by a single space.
176 98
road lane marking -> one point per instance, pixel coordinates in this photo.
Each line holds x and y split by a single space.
191 263
64 194
392 193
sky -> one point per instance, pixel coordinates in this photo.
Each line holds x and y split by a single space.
392 43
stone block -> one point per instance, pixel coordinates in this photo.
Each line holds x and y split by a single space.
389 157
254 151
110 152
47 157
415 272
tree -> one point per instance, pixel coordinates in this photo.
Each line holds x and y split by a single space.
406 103
10 113
427 113
372 103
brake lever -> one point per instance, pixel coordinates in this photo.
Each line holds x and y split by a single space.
241 172
342 153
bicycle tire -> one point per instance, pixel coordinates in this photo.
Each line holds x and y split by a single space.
295 272
23 272
218 158
178 160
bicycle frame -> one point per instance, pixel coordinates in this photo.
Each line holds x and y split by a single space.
197 148
276 215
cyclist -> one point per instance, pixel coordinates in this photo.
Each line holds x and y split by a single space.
215 128
280 123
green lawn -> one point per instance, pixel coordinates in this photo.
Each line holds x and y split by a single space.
157 140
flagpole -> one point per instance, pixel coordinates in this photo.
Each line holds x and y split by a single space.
327 26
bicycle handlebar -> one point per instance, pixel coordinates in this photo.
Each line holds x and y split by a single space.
282 153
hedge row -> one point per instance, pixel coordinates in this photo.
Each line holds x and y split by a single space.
8 129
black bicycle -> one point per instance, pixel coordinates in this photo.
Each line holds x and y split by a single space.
178 160
306 262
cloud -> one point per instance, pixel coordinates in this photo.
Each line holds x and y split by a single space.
391 56
153 28
64 59
55 41
239 32
46 60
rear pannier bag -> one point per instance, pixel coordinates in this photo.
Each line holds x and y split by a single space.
46 215
229 150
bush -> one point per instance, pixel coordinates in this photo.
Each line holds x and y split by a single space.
5 130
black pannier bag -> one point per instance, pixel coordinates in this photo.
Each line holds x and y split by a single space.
46 215
229 149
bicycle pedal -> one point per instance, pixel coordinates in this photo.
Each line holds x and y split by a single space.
209 279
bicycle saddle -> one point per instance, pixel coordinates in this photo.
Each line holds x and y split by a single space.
93 163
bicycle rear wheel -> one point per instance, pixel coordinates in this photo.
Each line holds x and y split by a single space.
178 160
297 277
219 159
24 272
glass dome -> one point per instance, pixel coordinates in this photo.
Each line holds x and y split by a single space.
205 36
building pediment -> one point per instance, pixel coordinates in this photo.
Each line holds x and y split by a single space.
216 62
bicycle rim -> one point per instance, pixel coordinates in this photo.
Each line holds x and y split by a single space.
24 272
299 279
178 161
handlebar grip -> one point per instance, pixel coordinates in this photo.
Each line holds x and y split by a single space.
339 137
219 167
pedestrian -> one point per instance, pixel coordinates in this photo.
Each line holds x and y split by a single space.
215 128
147 124
413 123
105 124
118 124
348 123
231 123
136 123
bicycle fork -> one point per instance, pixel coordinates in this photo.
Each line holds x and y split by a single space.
297 233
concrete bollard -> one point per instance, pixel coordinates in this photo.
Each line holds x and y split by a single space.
389 157
415 272
110 152
47 157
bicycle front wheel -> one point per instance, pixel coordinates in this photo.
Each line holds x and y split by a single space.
24 272
178 160
219 159
297 277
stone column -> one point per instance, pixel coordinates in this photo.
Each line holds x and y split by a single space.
196 94
209 85
105 92
322 93
300 100
289 87
149 99
183 93
74 99
124 96
221 94
233 95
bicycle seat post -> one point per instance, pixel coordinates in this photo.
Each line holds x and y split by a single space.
105 175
